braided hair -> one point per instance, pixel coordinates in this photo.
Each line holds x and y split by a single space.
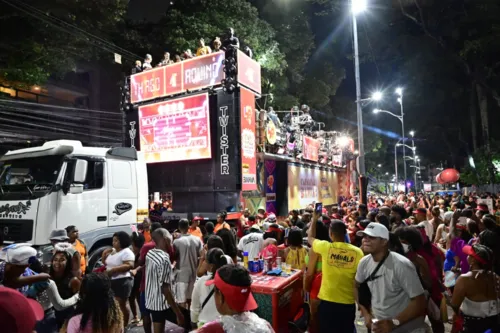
98 304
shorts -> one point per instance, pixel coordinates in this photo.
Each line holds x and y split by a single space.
122 287
183 291
315 286
142 304
162 316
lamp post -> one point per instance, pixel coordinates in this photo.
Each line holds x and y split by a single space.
396 161
358 6
401 119
412 133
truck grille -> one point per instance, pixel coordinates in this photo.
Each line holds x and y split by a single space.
17 230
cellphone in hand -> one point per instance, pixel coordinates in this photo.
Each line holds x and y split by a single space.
318 208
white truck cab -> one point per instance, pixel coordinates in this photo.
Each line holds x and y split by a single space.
98 190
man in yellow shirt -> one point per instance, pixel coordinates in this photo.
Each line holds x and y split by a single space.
202 48
337 310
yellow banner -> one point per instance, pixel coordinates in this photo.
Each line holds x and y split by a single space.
307 185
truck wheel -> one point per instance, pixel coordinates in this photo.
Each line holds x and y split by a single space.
95 259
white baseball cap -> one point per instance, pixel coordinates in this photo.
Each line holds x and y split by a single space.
18 254
375 230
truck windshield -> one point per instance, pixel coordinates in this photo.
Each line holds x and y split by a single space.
42 171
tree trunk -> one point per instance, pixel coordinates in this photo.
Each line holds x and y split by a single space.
473 116
483 109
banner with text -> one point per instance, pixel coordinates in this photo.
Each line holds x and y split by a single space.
307 185
310 149
189 75
248 148
249 72
176 130
270 183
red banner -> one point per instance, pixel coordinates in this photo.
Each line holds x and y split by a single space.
147 85
192 74
310 149
175 130
249 72
248 147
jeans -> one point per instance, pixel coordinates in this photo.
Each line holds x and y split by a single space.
48 324
336 317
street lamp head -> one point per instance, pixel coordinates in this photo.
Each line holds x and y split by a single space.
376 111
377 96
400 100
399 144
380 165
399 91
358 6
356 152
412 133
387 174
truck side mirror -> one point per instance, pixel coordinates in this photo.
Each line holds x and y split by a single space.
76 189
80 171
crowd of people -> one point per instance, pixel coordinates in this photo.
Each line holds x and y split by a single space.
201 49
397 260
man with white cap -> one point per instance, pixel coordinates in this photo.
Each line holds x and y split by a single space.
14 262
397 298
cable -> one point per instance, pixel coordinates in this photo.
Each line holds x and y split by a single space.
67 125
13 101
51 128
76 27
56 115
85 38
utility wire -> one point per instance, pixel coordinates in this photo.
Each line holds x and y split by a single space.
371 50
87 39
38 105
65 124
58 115
34 9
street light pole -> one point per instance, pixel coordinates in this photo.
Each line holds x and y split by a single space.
396 161
399 92
358 6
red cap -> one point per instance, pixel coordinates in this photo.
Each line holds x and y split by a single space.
238 298
198 218
469 250
18 313
461 227
420 211
483 208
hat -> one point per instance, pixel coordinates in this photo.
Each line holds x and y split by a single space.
483 208
18 254
238 298
198 218
420 211
58 235
255 227
18 313
469 250
261 208
375 230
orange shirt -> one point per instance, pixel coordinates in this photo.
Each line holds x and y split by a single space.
147 236
80 247
220 226
196 232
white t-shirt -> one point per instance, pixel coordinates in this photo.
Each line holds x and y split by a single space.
200 293
116 259
429 229
251 243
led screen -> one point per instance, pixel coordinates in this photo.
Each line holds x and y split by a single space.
175 130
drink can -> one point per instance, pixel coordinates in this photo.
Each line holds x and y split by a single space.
278 262
266 269
262 265
250 266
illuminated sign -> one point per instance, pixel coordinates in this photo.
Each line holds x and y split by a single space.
224 142
175 130
188 75
310 149
248 147
249 72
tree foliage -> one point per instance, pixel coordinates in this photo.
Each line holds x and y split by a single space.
38 41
